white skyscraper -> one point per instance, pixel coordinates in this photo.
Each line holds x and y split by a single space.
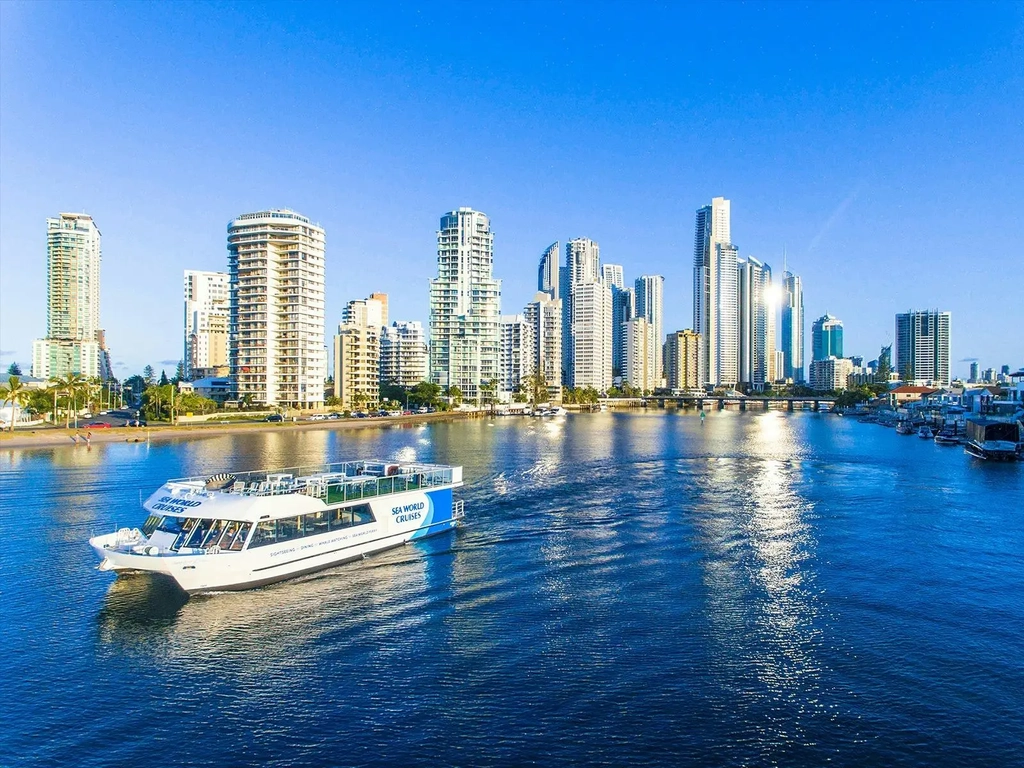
613 276
74 341
756 358
922 346
640 354
518 354
207 307
403 354
465 305
357 353
727 326
276 323
650 305
544 314
715 307
587 331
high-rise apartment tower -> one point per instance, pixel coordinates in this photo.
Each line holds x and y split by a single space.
207 307
465 305
276 321
74 341
922 346
715 301
793 327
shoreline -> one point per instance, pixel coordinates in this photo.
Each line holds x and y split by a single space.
55 437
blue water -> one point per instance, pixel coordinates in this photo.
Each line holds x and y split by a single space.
630 589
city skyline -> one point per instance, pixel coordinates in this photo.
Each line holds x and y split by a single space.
874 235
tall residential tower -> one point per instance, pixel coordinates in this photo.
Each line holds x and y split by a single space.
792 340
922 346
465 305
276 322
74 342
650 305
715 301
207 299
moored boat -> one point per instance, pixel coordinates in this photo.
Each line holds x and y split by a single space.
925 433
993 439
945 439
238 531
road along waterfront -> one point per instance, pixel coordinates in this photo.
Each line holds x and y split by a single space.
629 588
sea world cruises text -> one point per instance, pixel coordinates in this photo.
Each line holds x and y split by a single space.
171 504
408 512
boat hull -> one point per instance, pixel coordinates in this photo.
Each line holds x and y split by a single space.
992 450
216 571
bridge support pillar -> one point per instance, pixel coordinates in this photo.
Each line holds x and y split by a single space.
766 403
789 406
721 403
743 405
817 406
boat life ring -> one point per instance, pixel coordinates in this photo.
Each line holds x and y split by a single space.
219 481
152 550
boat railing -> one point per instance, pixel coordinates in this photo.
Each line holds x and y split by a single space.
334 483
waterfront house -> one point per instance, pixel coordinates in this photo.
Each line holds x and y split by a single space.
908 394
216 388
980 399
944 397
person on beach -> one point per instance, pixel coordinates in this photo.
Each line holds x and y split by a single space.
74 438
88 438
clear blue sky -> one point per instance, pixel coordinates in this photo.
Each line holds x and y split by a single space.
882 145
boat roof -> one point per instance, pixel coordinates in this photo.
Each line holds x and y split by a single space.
265 494
365 467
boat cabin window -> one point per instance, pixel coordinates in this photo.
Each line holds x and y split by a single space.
185 530
234 535
199 531
214 534
288 528
150 525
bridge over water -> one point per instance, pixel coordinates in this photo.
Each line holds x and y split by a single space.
701 402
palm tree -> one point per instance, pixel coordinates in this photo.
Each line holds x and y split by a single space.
14 393
71 386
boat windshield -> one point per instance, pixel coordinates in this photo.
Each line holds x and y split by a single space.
200 533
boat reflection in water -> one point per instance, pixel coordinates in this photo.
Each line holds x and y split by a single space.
394 589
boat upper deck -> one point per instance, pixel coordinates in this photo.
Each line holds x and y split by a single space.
334 483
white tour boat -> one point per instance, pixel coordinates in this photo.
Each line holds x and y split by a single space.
244 530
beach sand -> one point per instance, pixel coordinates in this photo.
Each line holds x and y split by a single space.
50 437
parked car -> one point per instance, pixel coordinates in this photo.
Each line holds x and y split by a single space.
360 415
407 413
317 417
275 417
422 409
98 425
334 415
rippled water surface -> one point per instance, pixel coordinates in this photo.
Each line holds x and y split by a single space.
768 589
